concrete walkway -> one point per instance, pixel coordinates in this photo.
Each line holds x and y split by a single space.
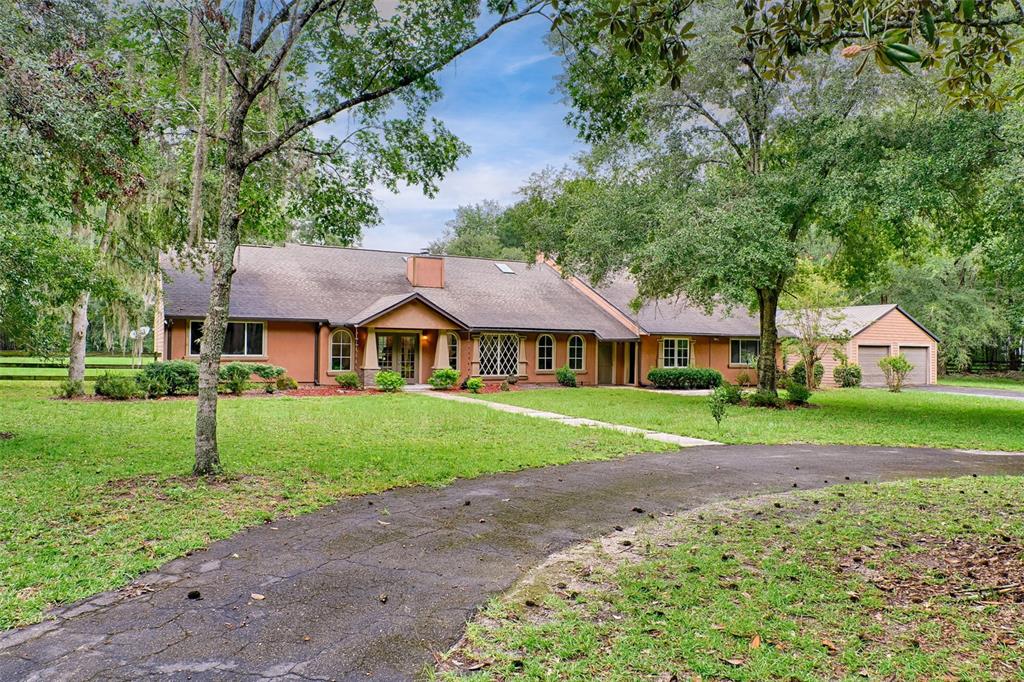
1006 394
353 593
674 439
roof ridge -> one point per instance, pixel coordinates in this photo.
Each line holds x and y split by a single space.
398 253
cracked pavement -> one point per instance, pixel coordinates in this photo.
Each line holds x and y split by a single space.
370 587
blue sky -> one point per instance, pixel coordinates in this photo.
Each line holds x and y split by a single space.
500 99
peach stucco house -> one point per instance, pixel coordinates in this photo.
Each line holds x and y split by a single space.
317 311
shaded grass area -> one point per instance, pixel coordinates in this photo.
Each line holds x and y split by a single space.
903 581
847 416
60 372
1007 383
89 360
95 493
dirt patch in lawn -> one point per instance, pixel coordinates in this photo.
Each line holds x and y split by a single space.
164 487
6 435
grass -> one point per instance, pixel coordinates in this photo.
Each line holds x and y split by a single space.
89 360
59 372
1008 383
856 582
95 493
847 416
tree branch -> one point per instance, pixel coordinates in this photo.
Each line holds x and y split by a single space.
324 114
272 25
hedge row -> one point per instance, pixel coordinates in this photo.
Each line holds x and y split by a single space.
685 377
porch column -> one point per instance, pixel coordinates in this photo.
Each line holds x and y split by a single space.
441 352
370 352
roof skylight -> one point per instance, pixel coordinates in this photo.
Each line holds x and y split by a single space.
505 268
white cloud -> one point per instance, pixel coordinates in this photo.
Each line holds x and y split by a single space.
521 64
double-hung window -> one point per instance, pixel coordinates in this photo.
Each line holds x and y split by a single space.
545 353
675 352
577 353
744 352
499 355
241 338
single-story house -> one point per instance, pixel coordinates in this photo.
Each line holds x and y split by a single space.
876 331
319 311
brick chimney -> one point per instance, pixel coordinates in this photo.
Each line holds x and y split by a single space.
425 271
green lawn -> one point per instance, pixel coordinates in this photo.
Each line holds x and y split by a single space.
95 493
1008 383
847 416
89 360
59 372
877 582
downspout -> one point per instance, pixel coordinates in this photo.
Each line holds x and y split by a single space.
316 355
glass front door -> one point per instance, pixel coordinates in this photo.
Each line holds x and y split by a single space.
397 353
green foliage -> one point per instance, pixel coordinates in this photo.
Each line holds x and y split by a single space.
177 377
118 386
504 387
389 382
68 389
686 378
565 376
896 368
847 375
764 399
798 375
444 379
474 384
236 377
287 383
798 392
152 387
743 379
718 401
482 231
732 392
349 380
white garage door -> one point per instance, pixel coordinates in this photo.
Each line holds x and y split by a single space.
868 357
918 357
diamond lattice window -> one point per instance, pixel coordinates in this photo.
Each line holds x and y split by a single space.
499 355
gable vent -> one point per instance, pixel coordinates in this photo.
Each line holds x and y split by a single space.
505 268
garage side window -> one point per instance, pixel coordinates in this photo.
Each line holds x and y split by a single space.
341 351
241 338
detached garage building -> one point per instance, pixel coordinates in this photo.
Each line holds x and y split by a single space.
880 330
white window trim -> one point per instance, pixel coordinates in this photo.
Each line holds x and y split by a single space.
519 351
330 352
264 354
458 350
741 338
568 358
661 351
554 345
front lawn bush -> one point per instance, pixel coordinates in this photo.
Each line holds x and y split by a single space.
390 382
847 375
799 375
286 383
764 399
181 377
152 387
349 380
732 393
896 369
685 378
118 386
70 389
236 377
799 394
718 401
474 384
566 376
443 379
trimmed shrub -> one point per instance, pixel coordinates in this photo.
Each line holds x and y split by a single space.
764 399
443 379
718 401
152 386
474 384
237 376
566 376
743 379
896 369
799 394
70 389
799 375
181 377
349 380
286 383
512 379
503 386
685 378
847 376
390 382
118 386
732 393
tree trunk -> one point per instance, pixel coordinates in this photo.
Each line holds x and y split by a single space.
216 323
80 309
768 303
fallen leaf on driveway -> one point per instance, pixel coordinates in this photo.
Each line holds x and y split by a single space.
383 523
257 596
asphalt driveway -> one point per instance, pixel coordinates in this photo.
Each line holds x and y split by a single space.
371 587
967 390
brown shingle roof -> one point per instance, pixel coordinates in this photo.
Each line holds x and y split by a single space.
341 286
677 316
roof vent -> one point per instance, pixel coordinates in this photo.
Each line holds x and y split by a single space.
505 268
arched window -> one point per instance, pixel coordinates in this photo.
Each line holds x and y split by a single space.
453 350
577 351
545 353
341 351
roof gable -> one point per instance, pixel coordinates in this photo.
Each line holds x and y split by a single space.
411 311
